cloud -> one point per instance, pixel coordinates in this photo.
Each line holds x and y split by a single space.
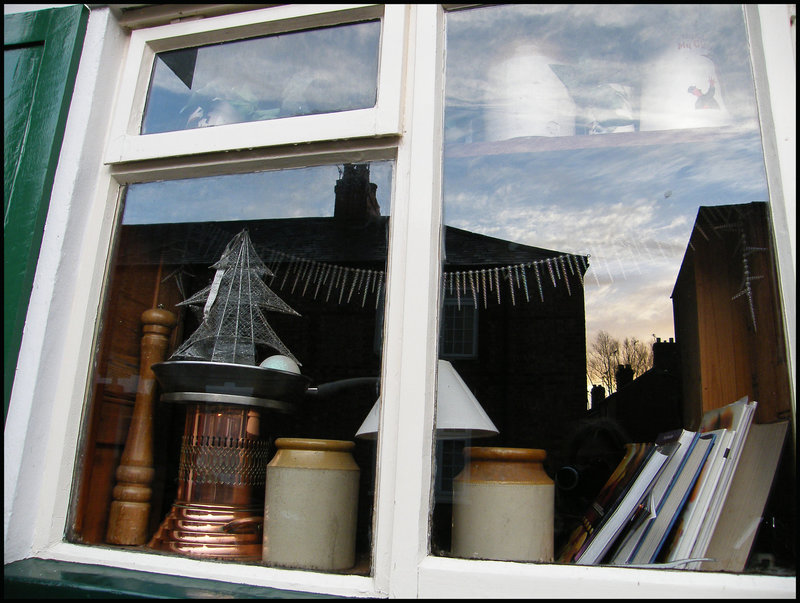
609 203
328 69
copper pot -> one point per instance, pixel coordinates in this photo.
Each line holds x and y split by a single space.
218 511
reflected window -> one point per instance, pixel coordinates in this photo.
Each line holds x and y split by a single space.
301 73
606 209
241 310
459 330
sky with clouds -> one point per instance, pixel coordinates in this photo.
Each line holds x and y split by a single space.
584 71
299 73
547 77
296 193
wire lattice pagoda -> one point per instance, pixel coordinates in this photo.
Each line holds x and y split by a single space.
219 506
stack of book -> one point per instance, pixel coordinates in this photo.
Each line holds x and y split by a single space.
686 500
617 502
645 535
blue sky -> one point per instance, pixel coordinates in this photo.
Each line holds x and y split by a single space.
302 192
556 74
630 204
328 69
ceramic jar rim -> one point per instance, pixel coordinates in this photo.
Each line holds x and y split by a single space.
314 444
492 453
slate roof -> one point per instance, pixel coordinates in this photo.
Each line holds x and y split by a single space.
318 239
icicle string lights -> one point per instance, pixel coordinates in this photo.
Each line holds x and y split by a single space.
345 284
746 288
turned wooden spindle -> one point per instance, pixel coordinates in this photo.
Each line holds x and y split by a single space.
130 510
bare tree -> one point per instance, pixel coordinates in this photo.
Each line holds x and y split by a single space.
602 360
607 353
637 354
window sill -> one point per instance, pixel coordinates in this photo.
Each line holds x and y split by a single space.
456 578
110 566
49 578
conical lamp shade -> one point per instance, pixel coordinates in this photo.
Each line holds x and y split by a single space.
459 415
369 428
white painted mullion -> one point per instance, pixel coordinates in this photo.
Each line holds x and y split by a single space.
45 411
67 385
130 98
408 386
258 160
775 72
390 69
359 123
245 24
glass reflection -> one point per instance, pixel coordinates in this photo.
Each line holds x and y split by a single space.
589 150
299 193
299 262
301 73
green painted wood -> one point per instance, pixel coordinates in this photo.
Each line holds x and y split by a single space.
46 578
20 66
43 47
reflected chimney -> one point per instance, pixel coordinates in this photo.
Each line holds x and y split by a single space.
666 356
598 395
356 199
623 375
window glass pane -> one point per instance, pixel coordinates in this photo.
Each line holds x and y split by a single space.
607 216
300 73
255 300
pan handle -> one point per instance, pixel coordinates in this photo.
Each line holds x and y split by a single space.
334 387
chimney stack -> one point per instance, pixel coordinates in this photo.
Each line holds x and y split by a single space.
598 395
666 356
356 200
623 375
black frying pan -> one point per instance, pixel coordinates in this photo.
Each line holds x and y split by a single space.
201 380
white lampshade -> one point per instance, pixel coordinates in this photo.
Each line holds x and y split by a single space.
459 415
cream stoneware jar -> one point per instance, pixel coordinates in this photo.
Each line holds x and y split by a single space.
503 506
311 505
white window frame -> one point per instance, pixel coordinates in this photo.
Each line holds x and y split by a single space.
126 144
42 431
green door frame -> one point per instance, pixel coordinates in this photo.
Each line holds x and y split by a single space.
56 35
